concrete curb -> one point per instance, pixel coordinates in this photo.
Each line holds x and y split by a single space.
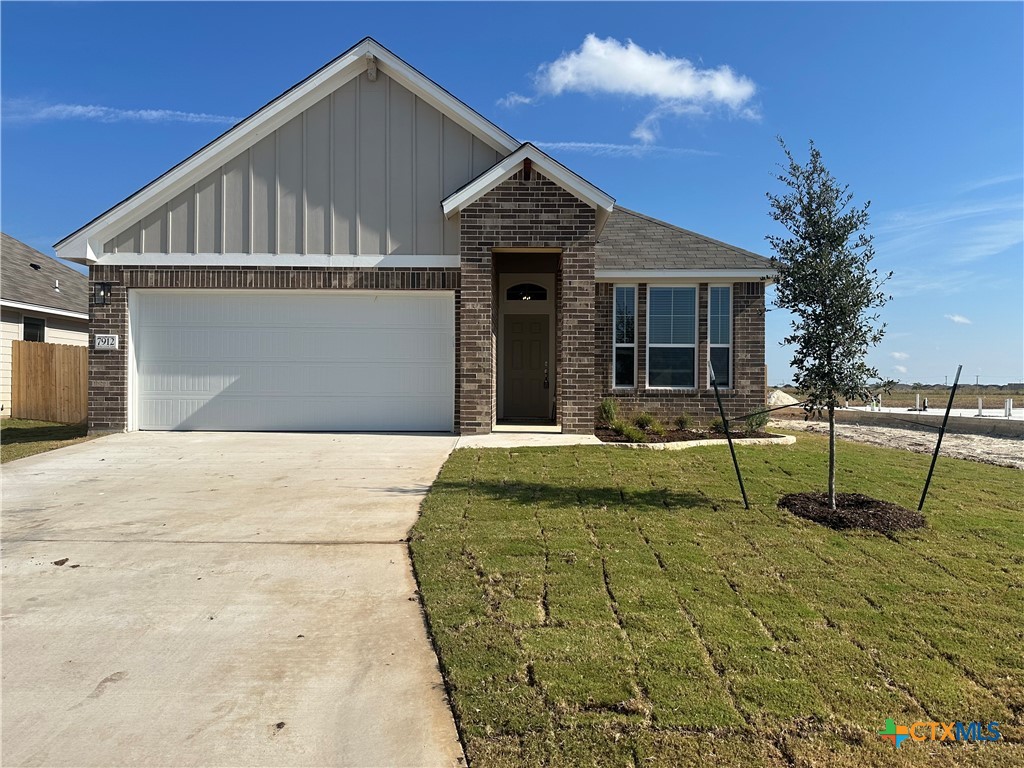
684 444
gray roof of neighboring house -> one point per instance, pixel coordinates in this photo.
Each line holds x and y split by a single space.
631 240
20 281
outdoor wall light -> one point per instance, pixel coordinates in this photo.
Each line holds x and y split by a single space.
101 294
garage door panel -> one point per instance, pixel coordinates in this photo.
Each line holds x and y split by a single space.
321 344
294 361
283 379
311 415
356 311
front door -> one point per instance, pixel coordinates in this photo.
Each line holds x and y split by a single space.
526 376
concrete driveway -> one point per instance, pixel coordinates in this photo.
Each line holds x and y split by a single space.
228 599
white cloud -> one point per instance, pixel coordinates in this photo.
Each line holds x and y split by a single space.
956 232
602 149
607 66
958 319
992 181
29 111
899 355
900 368
514 99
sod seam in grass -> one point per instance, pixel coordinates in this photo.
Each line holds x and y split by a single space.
601 607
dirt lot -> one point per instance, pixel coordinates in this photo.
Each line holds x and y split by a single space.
966 397
1004 451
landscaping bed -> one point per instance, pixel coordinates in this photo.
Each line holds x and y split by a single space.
608 435
613 427
605 607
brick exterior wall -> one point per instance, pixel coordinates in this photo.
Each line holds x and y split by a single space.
519 213
108 369
748 392
527 213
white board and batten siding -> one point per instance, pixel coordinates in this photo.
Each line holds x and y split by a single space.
361 172
293 360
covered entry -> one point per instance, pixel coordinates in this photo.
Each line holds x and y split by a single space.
526 354
292 360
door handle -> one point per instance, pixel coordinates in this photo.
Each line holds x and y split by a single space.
547 384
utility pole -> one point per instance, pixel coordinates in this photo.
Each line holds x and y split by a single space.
977 379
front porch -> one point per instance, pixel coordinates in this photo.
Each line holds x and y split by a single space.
525 310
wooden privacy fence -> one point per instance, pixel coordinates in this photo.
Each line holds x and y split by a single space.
49 382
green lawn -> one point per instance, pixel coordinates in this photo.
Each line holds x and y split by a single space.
599 606
23 437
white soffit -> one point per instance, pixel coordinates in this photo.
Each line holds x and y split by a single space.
544 163
85 244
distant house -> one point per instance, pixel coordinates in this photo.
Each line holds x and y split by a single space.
40 300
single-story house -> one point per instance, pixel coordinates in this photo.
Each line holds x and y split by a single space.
40 300
366 252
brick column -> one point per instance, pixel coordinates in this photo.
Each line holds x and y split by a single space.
576 393
108 368
475 367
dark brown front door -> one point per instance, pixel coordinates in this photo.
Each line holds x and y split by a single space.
525 374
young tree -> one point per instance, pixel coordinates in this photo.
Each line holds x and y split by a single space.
824 278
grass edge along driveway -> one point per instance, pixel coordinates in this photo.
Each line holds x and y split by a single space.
26 437
593 606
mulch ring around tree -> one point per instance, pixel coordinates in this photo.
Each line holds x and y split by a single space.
853 510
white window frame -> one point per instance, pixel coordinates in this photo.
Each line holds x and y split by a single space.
694 346
617 345
728 287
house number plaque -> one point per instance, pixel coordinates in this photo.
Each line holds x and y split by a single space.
106 341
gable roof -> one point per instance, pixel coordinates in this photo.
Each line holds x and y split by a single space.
547 165
633 241
85 244
24 284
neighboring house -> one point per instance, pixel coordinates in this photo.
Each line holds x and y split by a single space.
366 252
40 300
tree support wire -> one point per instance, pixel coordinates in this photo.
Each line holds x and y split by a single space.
728 436
938 443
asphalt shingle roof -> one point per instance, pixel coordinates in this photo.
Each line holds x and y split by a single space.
20 281
631 240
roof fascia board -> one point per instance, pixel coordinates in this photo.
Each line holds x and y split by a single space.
38 308
668 275
267 120
504 168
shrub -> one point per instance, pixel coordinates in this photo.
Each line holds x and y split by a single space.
609 411
649 423
684 422
629 431
717 425
756 423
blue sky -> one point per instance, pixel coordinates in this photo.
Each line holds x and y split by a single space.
918 107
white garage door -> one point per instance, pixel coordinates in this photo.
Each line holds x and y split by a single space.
291 360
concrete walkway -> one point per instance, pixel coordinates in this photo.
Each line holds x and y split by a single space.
227 599
524 440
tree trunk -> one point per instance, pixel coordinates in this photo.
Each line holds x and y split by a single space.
831 457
